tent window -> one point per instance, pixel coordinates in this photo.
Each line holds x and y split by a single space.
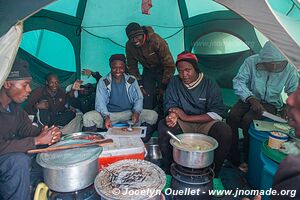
51 48
60 6
218 43
196 7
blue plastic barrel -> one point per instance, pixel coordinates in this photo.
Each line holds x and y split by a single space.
255 165
269 169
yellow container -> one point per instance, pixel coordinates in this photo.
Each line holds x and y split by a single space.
276 139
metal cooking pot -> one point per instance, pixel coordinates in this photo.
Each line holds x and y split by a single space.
195 159
153 150
70 170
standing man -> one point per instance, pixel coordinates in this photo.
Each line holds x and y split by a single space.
259 84
18 135
152 52
119 99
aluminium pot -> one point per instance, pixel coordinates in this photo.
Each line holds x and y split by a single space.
70 170
195 159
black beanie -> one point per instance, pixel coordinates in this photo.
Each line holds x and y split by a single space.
120 57
19 71
133 29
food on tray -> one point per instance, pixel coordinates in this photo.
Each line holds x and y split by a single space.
283 127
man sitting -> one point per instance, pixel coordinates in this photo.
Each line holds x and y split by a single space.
119 99
18 135
259 84
48 103
193 104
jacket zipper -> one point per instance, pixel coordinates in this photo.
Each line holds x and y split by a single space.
266 87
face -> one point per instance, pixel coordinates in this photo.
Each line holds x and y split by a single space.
52 83
137 40
293 113
117 69
18 91
187 72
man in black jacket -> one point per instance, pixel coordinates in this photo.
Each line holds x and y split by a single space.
18 135
193 104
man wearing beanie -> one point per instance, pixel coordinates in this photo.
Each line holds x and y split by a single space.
259 84
193 104
118 99
18 135
152 52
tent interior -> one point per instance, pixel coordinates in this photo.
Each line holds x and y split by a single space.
70 35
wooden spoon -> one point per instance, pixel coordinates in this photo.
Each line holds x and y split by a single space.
72 146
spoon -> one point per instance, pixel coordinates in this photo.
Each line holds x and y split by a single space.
130 123
174 137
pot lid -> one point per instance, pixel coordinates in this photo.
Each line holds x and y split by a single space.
70 157
130 179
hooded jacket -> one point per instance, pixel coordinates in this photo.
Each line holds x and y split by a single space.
154 54
263 85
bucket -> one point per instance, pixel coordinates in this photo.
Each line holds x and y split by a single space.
276 139
268 172
255 165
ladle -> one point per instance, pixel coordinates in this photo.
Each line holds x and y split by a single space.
174 137
130 123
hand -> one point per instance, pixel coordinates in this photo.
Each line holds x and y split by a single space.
76 85
48 135
256 106
135 117
86 72
171 120
44 104
179 112
107 123
144 92
258 197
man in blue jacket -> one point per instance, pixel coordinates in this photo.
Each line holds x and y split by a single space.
259 84
118 99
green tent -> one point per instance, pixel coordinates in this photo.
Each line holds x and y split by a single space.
70 35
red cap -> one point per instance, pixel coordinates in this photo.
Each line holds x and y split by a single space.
186 56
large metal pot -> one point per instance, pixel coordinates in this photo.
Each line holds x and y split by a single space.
70 170
195 159
130 179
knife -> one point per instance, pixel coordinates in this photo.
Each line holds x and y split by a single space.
273 117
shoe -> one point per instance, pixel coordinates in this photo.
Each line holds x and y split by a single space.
243 167
218 187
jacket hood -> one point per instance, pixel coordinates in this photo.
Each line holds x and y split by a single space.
148 30
269 53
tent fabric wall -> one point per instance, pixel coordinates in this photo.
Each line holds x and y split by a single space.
259 14
9 44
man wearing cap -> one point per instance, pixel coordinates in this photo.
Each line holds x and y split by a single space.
18 135
152 52
259 84
193 104
118 99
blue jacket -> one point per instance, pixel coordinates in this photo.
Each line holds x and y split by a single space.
265 86
103 93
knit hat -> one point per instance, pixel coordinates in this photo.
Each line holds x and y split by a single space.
188 57
120 57
19 71
133 29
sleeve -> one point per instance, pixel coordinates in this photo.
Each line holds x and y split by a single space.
101 99
292 81
138 101
132 63
215 107
166 59
241 81
34 97
26 134
171 98
97 76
